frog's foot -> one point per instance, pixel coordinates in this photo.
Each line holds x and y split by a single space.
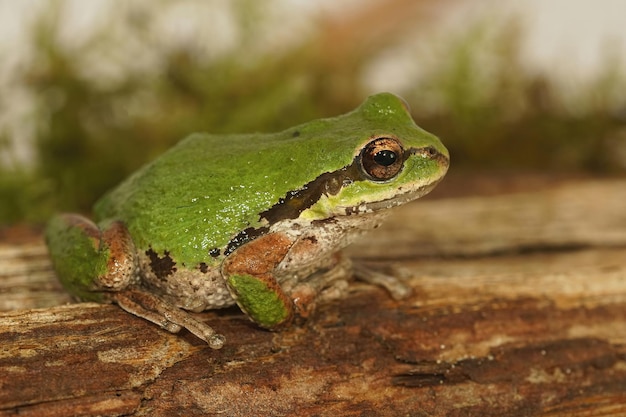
306 297
152 308
394 285
325 285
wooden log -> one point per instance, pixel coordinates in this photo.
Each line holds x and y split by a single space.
519 308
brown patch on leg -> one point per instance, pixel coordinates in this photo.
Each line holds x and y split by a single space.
121 262
259 257
304 248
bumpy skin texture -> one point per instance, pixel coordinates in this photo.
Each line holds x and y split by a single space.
253 219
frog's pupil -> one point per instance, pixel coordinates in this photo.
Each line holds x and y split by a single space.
385 158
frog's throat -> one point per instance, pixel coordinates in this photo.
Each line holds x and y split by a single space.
331 183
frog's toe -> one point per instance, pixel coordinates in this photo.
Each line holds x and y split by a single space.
395 286
216 341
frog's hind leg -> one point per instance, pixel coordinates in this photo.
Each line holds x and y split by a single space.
99 265
88 261
154 309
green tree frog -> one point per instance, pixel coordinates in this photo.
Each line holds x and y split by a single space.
251 219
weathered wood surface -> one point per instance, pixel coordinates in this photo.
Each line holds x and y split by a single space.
519 309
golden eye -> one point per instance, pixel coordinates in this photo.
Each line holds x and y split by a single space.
382 159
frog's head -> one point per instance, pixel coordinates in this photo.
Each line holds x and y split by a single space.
383 160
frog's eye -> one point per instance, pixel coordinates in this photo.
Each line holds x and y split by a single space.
381 159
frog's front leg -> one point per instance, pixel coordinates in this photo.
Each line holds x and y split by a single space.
249 274
99 265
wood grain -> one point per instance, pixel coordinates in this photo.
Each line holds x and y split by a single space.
519 309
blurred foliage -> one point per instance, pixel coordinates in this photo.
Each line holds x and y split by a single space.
495 115
92 131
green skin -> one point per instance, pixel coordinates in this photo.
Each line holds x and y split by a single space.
211 195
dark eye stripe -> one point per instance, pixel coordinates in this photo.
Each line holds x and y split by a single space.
330 183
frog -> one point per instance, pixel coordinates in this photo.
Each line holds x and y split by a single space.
253 220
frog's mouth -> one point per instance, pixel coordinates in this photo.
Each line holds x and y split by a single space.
397 200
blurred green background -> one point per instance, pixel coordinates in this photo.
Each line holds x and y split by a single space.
104 102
